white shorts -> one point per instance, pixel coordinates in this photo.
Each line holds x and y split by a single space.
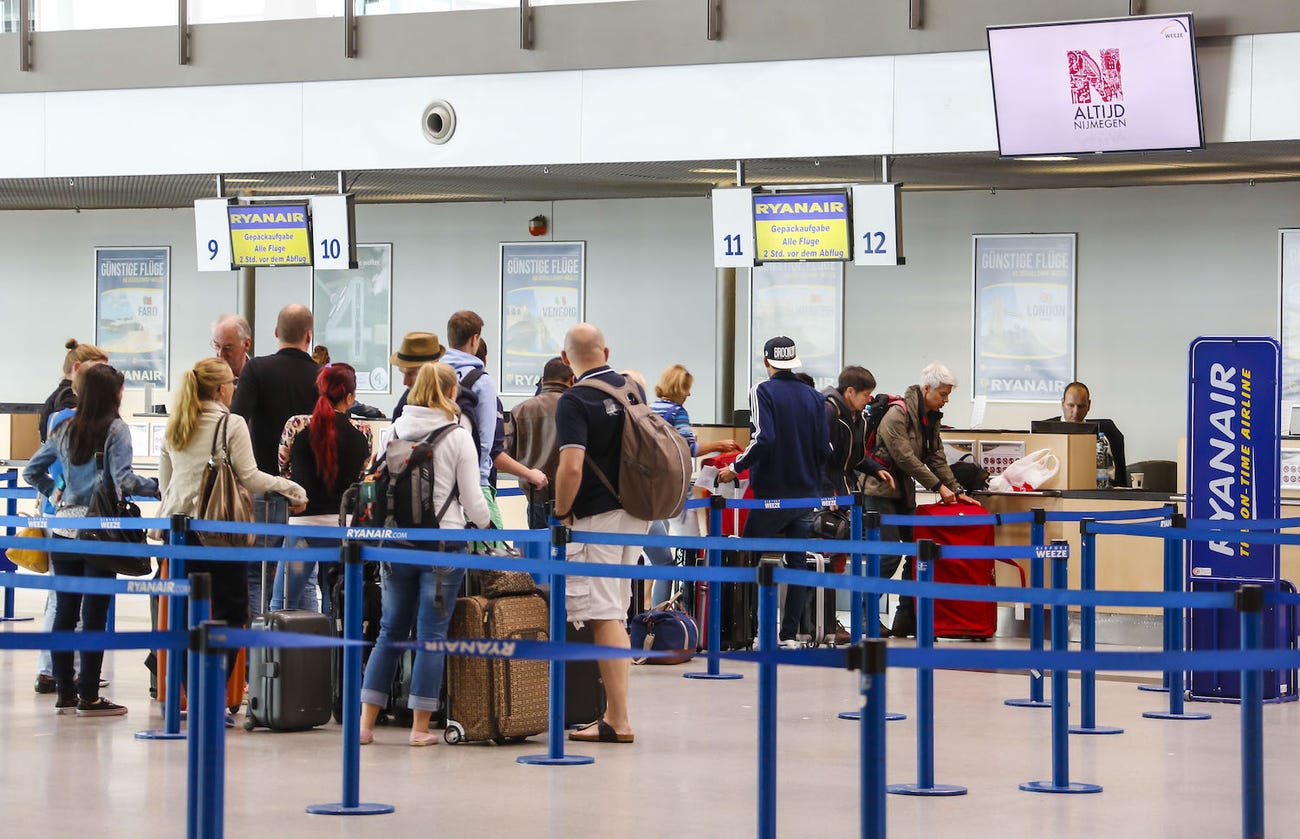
602 598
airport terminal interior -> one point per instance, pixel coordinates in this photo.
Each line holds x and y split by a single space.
651 167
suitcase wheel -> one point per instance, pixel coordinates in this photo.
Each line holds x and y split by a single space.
249 725
454 733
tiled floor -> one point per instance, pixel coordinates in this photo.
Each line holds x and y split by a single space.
692 771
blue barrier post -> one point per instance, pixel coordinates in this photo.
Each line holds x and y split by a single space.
870 600
1173 626
1088 636
1250 604
1172 583
869 658
927 554
713 609
767 642
555 755
1060 782
176 606
208 714
353 595
200 612
855 570
9 480
1037 624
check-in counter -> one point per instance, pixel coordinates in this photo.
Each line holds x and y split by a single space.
995 449
20 435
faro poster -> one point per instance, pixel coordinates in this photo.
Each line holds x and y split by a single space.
541 298
131 287
1024 316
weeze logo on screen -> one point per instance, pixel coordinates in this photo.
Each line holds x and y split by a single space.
1087 75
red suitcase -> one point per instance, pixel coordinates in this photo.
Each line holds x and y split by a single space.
961 618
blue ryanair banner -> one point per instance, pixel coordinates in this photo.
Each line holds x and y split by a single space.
1233 450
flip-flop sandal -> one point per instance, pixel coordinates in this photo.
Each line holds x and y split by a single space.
600 732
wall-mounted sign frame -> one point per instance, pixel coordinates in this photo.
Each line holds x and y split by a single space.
803 301
354 315
132 288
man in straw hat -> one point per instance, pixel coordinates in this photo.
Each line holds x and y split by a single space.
417 348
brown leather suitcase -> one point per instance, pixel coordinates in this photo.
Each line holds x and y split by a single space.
496 699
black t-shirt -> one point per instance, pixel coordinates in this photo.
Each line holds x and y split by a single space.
353 454
593 420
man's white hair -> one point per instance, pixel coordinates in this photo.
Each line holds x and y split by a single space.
241 325
936 375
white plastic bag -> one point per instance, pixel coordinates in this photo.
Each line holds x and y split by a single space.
1030 472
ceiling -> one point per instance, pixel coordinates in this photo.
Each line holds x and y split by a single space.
1221 163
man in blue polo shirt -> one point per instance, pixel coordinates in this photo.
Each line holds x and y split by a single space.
589 425
786 457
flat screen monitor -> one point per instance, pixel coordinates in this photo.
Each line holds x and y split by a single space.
269 235
1063 427
802 226
1121 85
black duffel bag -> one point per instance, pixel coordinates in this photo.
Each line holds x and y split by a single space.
107 503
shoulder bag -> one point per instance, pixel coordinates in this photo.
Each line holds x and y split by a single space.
106 503
222 497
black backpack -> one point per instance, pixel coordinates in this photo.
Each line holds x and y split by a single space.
871 416
398 490
970 474
467 400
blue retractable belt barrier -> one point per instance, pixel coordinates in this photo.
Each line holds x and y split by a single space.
74 641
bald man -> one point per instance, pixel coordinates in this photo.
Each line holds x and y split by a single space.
589 426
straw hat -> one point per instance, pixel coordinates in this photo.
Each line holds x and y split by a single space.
416 349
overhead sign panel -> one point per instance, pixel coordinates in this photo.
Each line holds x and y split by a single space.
270 235
802 226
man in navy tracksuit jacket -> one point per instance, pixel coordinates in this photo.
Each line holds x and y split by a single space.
786 458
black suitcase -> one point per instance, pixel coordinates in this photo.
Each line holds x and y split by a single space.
584 689
739 607
372 608
290 689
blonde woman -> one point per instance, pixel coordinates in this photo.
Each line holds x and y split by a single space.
423 596
203 402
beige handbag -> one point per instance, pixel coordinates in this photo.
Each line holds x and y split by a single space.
222 497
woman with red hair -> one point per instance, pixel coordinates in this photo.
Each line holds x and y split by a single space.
325 452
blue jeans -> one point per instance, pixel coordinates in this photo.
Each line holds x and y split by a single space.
92 609
791 524
659 555
267 509
412 599
294 586
537 519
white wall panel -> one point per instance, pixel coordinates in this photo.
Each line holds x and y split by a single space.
1226 76
943 103
23 118
243 128
500 120
774 109
1275 87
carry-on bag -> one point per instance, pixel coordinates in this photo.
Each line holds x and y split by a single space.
739 618
665 628
290 689
961 618
502 700
817 625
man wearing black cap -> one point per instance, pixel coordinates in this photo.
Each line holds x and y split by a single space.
417 349
786 457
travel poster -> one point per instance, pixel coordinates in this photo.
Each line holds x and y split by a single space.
541 299
1024 316
131 286
354 315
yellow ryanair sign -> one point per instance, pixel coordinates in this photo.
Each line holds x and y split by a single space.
269 235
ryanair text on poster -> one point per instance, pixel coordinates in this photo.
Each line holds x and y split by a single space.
1233 450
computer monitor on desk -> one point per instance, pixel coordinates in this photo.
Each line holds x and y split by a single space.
1063 427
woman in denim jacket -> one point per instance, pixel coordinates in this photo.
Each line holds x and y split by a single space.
96 427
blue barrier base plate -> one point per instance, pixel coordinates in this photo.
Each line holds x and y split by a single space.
917 789
713 675
1096 729
1165 715
1154 688
365 808
13 620
1027 703
159 734
890 716
547 760
1068 789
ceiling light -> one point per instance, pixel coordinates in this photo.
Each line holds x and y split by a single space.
245 180
1050 158
713 171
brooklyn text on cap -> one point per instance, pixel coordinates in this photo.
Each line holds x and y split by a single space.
416 349
780 353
